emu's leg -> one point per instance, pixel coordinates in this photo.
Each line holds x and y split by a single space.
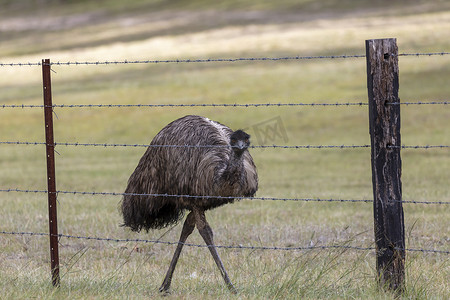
207 235
188 227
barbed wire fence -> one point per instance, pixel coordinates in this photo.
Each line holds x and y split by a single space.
53 144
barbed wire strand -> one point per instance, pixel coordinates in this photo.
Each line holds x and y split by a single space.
183 105
424 54
221 146
210 60
187 146
162 61
420 103
10 190
304 248
241 105
419 146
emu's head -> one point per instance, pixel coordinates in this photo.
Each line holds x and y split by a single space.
239 141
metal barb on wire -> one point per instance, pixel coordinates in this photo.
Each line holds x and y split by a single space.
301 248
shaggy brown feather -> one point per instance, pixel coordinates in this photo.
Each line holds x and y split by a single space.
196 171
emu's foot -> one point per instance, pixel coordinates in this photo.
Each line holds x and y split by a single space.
164 290
232 289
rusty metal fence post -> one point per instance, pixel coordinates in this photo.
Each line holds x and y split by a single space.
51 177
384 123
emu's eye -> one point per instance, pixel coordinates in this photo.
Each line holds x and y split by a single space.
233 141
246 140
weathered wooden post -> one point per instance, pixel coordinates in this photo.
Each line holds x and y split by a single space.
51 177
384 122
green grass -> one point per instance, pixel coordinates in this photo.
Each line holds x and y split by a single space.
117 270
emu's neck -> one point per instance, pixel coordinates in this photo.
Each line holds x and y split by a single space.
236 159
234 170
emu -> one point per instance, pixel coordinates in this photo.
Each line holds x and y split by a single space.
180 161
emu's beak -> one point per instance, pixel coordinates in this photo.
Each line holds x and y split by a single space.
241 145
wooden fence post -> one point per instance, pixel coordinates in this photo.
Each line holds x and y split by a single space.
51 177
384 123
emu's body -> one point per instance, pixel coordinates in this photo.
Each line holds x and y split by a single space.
180 161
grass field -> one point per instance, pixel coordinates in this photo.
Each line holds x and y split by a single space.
111 30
